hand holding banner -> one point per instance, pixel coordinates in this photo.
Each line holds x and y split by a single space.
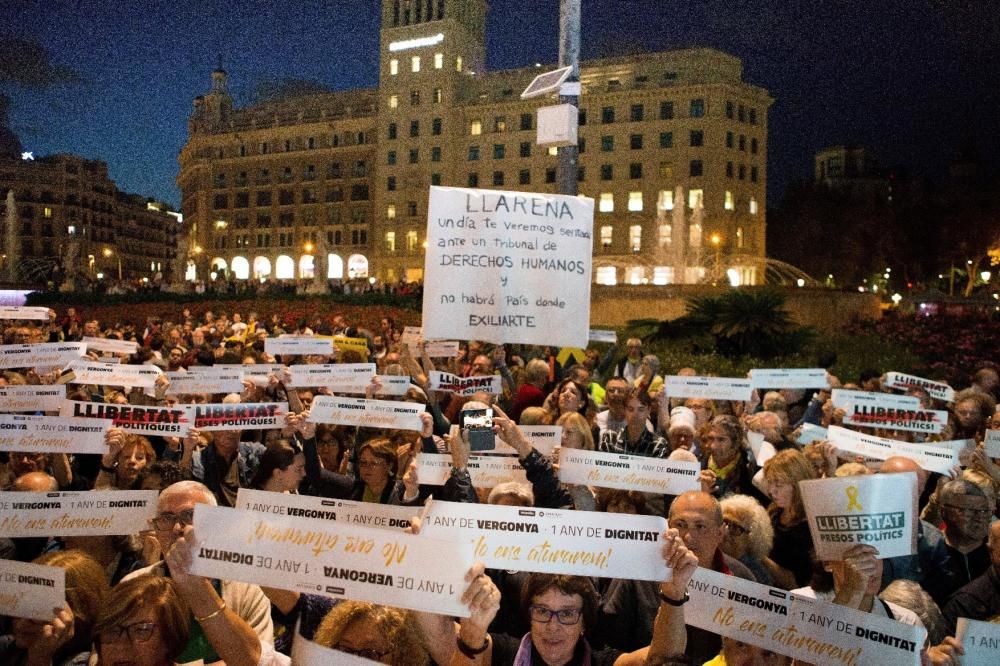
52 434
29 398
366 413
937 390
712 388
240 416
164 421
465 386
86 513
980 640
104 374
43 355
367 514
613 470
937 457
789 378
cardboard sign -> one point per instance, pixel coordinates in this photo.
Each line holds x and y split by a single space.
87 513
544 439
103 374
332 559
25 312
933 456
583 543
878 510
465 386
492 259
31 590
29 398
367 514
992 443
912 420
347 377
366 413
903 382
110 345
789 378
597 335
52 434
810 432
207 380
613 470
981 641
43 355
843 398
711 388
808 630
240 416
298 344
485 471
163 421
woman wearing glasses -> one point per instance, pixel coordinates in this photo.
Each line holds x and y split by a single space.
144 621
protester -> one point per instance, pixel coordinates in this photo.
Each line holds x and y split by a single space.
792 542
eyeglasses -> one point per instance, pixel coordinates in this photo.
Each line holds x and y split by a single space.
565 616
139 632
370 463
968 510
365 653
166 521
735 528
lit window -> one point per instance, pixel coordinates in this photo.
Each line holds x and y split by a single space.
458 64
665 200
635 275
607 204
635 237
729 201
605 275
390 241
393 67
753 206
415 64
663 275
47 212
694 197
664 235
390 212
475 128
71 230
739 237
635 202
438 60
606 231
411 240
436 96
553 151
393 101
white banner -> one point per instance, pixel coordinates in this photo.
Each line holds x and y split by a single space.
808 630
614 470
52 434
492 259
937 390
393 384
937 457
441 348
465 386
584 543
843 398
332 559
299 344
32 312
258 373
789 378
347 377
367 514
545 439
31 590
366 413
27 398
104 374
43 355
928 421
208 380
878 510
992 443
597 335
711 388
810 432
240 416
164 421
485 471
981 641
86 513
110 345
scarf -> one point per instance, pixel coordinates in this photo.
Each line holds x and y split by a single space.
526 651
724 471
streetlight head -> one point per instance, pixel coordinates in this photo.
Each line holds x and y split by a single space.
108 252
715 238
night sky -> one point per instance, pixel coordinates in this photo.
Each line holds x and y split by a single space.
916 80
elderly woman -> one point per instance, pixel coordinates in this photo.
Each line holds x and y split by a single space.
792 543
143 621
377 633
749 538
123 463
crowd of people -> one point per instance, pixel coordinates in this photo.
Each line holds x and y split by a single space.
133 599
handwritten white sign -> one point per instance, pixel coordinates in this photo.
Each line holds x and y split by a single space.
485 471
173 421
52 434
110 345
43 355
545 439
492 258
366 413
981 641
332 559
240 416
937 457
27 398
31 590
86 372
87 513
613 470
366 514
300 344
937 390
465 386
789 378
347 377
208 380
33 312
711 388
843 398
878 510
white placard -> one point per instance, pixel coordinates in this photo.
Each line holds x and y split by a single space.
992 443
465 386
491 261
485 471
789 378
810 432
928 421
584 543
980 640
42 355
104 374
545 439
877 510
843 398
333 559
806 629
441 348
367 514
937 390
164 421
762 449
208 380
110 345
597 335
393 384
32 312
614 470
347 377
937 457
86 513
711 388
366 413
52 434
258 373
31 590
28 398
240 416
308 653
299 344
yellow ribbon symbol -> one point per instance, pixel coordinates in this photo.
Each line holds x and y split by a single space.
852 495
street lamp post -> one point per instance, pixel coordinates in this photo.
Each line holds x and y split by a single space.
108 252
716 241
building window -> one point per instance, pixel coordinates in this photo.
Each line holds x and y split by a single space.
694 198
414 128
392 130
500 124
221 201
414 155
753 206
475 128
438 60
607 115
436 154
730 204
411 241
753 146
742 172
742 113
666 110
436 126
697 108
525 149
334 170
753 116
664 235
697 138
393 101
411 208
393 67
635 142
390 241
743 143
390 183
435 179
498 178
729 169
607 172
414 98
666 139
390 212
550 175
391 160
607 143
607 202
524 177
473 153
665 200
696 169
635 202
753 174
526 119
499 150
581 174
436 96
729 109
458 64
635 170
635 237
242 200
553 151
740 240
636 113
606 235
729 139
581 144
581 117
415 64
473 180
